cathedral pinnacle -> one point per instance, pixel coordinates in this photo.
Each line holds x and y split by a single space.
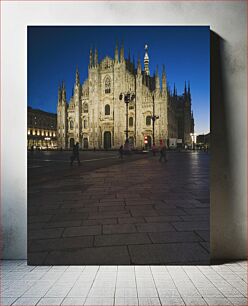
175 91
59 94
63 92
163 78
146 61
139 65
91 58
96 57
77 83
116 53
188 87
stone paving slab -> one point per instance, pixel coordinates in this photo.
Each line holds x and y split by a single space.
122 239
171 253
106 255
136 211
60 244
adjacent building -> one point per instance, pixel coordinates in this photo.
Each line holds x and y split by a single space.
97 116
42 129
203 141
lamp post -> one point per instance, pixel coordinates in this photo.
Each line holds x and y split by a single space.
154 118
128 97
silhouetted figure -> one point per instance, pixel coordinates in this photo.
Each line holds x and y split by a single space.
121 152
163 154
75 154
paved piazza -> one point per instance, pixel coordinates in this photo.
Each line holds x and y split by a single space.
118 212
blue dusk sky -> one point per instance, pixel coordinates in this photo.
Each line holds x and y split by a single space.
54 52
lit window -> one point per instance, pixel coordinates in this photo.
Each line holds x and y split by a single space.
28 132
42 133
148 120
46 133
107 85
38 133
131 121
33 132
107 109
54 135
50 134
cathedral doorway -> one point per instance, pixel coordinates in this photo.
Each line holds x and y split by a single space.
149 141
72 142
85 143
107 140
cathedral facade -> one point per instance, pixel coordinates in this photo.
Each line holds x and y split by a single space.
101 115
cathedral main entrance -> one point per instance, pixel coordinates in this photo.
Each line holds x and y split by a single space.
107 140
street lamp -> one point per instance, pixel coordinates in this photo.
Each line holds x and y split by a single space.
128 97
154 118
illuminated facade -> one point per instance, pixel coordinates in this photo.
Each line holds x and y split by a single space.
97 118
42 129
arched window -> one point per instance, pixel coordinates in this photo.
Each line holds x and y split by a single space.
148 120
85 107
71 124
107 85
85 124
130 121
107 109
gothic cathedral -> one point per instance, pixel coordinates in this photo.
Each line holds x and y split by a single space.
100 114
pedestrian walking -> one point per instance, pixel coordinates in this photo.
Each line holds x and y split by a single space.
121 152
163 154
75 154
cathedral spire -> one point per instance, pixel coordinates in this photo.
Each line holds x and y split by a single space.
77 81
139 65
188 88
185 89
116 53
163 78
174 91
63 93
146 61
59 94
96 58
91 58
122 53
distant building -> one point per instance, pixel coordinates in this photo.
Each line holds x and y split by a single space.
96 118
203 141
180 116
42 129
